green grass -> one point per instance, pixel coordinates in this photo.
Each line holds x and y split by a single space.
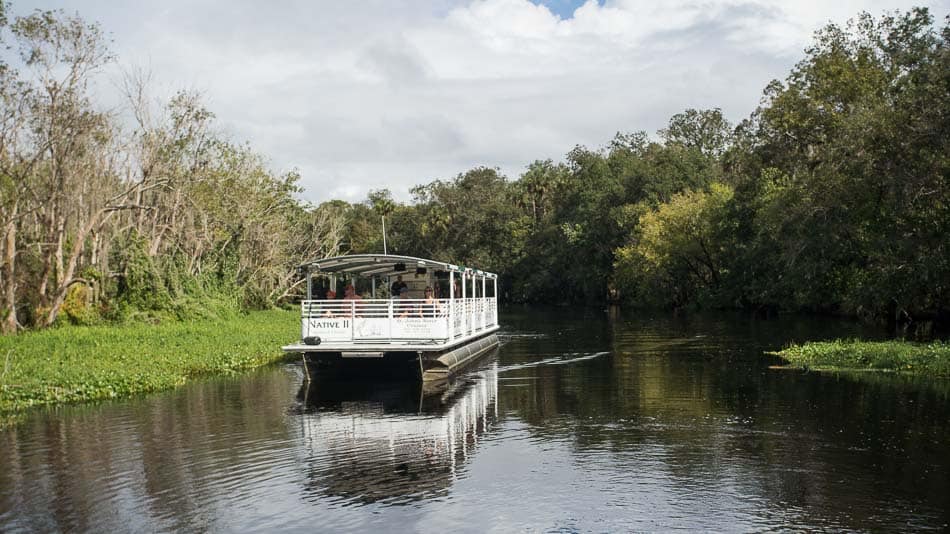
83 363
931 359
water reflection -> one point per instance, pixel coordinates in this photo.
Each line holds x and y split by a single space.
392 442
584 421
709 437
168 462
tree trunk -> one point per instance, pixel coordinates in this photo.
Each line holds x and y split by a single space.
58 257
74 255
9 323
47 259
94 256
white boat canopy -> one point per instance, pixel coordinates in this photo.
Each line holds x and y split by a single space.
368 265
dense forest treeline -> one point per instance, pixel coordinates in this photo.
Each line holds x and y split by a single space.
833 196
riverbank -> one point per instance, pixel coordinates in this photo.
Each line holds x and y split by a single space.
77 363
930 359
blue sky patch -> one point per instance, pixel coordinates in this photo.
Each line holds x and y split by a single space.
562 8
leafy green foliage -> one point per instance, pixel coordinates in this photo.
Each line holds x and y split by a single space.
863 192
679 249
704 130
932 359
833 196
840 180
82 363
174 220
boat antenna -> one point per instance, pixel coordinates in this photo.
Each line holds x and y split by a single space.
385 252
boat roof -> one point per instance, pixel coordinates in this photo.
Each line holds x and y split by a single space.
384 265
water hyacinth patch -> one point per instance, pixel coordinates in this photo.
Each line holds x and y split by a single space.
83 363
932 359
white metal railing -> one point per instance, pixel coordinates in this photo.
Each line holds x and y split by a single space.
383 321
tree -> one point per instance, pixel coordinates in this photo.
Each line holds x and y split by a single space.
704 130
858 133
62 53
539 186
679 250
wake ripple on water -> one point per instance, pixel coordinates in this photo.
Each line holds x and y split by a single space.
558 360
506 337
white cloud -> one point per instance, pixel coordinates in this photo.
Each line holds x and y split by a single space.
364 95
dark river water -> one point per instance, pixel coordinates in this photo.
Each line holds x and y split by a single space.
581 421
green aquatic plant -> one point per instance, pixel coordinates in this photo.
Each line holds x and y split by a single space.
932 359
83 363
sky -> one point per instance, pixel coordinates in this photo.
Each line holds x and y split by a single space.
370 94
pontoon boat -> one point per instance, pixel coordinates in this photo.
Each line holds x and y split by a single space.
434 333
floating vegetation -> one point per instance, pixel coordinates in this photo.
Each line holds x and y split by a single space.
80 363
932 359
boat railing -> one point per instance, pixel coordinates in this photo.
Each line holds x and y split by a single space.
397 320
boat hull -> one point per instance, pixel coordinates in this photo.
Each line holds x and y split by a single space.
427 365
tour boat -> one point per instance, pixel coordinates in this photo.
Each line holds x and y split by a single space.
433 334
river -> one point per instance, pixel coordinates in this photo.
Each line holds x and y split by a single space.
580 421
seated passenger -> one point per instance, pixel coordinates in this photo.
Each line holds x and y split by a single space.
430 306
328 310
402 309
349 293
396 289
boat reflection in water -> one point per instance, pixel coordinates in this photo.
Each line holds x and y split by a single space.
393 442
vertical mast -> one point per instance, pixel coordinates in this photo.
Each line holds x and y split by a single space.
309 284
